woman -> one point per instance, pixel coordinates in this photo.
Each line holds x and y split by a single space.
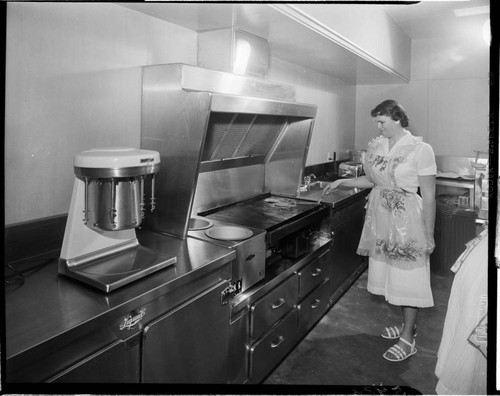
398 234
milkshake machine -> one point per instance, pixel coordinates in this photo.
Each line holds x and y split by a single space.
100 247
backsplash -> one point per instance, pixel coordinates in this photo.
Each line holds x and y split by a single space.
325 171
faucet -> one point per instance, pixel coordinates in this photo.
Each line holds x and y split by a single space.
307 179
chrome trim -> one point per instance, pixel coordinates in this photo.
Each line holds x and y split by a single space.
210 166
97 173
99 254
194 78
251 105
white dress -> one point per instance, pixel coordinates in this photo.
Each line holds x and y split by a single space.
461 364
393 235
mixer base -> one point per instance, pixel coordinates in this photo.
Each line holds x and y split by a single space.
118 269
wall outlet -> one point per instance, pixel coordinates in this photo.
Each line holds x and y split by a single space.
329 156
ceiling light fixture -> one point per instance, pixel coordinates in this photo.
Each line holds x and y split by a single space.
462 12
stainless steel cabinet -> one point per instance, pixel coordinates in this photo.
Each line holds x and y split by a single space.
273 328
314 287
117 363
267 352
270 308
238 351
347 224
312 307
189 344
314 273
270 320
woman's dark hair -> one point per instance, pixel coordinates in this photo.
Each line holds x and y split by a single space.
391 108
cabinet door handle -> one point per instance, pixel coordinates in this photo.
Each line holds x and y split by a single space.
280 302
250 257
315 304
277 342
318 271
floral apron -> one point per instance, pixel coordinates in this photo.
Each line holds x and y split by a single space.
394 229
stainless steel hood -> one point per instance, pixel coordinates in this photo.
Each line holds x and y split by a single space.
214 128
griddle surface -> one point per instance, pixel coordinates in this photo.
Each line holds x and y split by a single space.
264 213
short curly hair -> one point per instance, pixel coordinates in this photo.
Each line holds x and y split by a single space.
393 109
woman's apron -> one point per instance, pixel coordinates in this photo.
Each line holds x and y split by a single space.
394 229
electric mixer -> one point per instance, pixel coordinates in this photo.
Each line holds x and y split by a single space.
100 246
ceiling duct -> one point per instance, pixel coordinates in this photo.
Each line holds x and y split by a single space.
233 51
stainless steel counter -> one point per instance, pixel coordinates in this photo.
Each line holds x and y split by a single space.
48 305
53 321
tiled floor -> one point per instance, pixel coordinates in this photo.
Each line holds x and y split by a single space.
345 348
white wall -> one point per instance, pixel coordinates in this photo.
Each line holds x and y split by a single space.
73 82
447 97
336 100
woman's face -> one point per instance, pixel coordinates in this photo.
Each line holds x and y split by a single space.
387 126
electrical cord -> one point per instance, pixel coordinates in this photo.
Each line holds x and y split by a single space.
20 275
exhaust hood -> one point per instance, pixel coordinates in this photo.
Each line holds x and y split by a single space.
219 126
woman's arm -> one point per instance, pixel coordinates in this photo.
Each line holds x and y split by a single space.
428 193
358 182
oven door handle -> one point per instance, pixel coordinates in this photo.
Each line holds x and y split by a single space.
315 304
278 341
280 302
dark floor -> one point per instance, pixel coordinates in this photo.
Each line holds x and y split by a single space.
345 347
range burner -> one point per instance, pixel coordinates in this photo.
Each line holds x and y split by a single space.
249 244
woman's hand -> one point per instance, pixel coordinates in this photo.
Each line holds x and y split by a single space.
330 188
346 184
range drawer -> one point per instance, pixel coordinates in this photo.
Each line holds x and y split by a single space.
268 352
273 306
312 308
314 273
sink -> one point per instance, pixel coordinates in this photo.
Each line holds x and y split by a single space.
318 185
198 223
343 193
321 184
315 193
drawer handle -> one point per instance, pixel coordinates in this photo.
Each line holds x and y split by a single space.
318 271
315 304
280 302
250 257
278 342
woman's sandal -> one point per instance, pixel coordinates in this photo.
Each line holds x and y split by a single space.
392 333
399 353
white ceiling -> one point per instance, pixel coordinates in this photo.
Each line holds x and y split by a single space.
293 42
436 18
423 19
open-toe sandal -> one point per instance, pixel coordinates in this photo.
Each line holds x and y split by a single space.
398 353
393 333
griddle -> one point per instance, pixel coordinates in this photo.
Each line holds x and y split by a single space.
279 216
